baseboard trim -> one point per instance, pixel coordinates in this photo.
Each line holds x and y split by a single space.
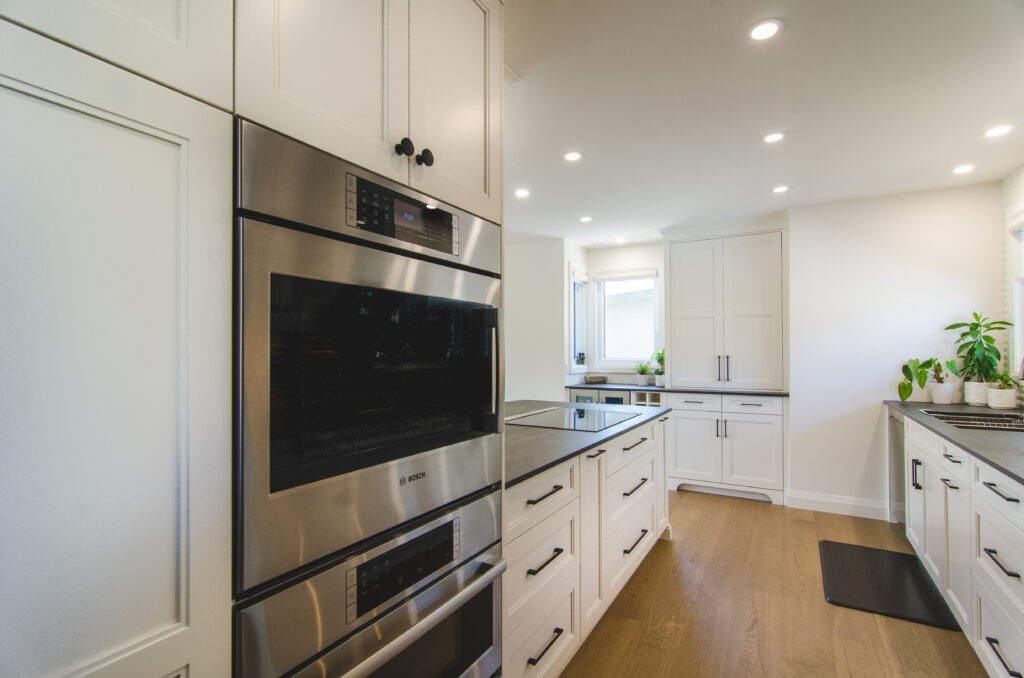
836 503
741 492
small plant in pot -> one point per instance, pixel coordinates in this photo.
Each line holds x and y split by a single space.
976 348
942 389
658 358
915 372
642 369
1002 392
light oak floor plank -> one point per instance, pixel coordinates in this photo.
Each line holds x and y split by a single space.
738 592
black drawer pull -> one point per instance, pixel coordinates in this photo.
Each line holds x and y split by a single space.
994 644
694 402
639 442
1002 495
538 500
663 419
642 482
951 458
643 533
947 483
536 570
597 454
752 404
914 463
717 422
532 661
992 553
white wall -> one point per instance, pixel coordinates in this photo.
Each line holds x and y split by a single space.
872 283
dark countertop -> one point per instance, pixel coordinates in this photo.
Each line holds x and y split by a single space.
665 389
530 449
1002 449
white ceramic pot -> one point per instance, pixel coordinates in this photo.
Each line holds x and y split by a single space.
659 380
975 392
1002 398
921 395
942 394
641 380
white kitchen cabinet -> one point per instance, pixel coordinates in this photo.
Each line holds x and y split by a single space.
115 210
694 445
592 500
915 504
725 313
934 554
752 450
184 45
661 524
958 549
355 78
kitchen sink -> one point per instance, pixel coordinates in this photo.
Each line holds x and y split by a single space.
993 421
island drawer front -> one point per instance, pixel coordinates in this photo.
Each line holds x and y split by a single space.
536 498
955 462
998 641
929 442
999 553
549 636
692 401
629 539
630 445
630 486
538 557
1003 493
752 404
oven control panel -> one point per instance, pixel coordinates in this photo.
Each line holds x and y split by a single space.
374 208
378 580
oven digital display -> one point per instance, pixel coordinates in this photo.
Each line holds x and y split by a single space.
380 210
380 579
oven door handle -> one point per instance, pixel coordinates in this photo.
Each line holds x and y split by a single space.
396 646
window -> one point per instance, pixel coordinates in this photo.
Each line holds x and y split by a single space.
626 319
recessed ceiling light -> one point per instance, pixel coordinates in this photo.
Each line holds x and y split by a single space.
780 189
431 206
620 240
522 192
773 137
963 169
586 220
765 29
998 131
573 156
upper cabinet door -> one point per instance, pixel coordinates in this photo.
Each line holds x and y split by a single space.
455 63
332 74
696 351
184 45
752 311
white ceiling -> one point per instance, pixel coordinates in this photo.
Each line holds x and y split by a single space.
668 101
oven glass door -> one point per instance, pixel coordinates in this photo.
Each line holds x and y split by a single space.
361 375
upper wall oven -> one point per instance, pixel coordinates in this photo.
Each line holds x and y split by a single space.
369 382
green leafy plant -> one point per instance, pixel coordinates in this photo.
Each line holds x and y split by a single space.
659 358
1003 380
642 367
940 372
914 371
976 347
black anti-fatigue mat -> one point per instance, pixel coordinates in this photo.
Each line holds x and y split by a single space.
884 582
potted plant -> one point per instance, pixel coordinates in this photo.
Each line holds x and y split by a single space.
942 390
658 358
642 369
915 372
976 347
1002 392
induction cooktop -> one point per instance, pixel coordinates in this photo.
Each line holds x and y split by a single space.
572 419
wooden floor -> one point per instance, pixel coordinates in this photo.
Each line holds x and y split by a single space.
738 593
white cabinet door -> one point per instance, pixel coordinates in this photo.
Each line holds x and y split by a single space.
752 311
332 74
697 346
694 448
185 45
752 450
115 275
661 497
934 554
914 474
960 552
592 479
455 81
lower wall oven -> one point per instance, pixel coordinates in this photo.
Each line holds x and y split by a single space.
425 603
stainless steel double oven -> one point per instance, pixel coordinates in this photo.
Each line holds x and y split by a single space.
368 422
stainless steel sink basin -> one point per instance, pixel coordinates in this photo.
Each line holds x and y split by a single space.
992 421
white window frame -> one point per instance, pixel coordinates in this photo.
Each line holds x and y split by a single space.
596 358
576 276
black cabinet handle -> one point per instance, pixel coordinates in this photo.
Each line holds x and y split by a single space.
663 419
642 481
992 553
752 404
727 368
718 374
425 158
914 463
947 483
643 533
538 500
694 402
532 661
716 428
596 454
951 458
1002 495
725 428
639 442
405 147
536 570
994 644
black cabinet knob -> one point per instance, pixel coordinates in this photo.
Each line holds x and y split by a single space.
405 147
425 158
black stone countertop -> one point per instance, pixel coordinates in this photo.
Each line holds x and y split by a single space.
530 449
1002 449
665 389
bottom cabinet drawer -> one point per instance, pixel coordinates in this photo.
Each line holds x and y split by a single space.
997 640
1000 552
629 539
547 639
